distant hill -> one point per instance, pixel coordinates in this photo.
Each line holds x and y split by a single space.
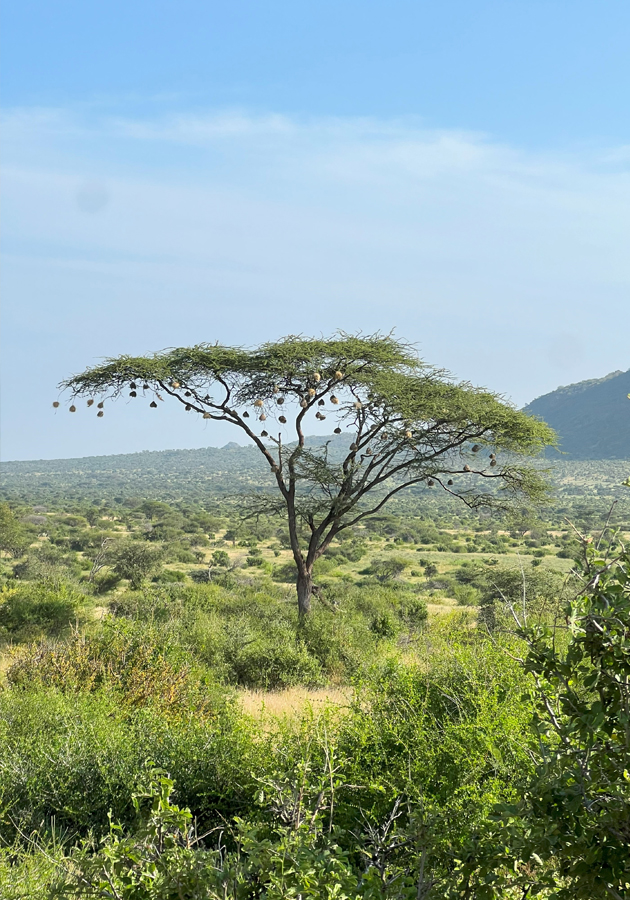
592 418
218 472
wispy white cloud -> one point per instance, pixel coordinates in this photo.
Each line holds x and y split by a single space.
508 266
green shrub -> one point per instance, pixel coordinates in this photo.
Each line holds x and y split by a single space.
104 582
271 660
220 558
169 576
34 610
285 572
133 661
135 561
413 611
467 595
74 758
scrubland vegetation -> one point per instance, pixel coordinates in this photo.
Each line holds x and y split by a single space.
443 724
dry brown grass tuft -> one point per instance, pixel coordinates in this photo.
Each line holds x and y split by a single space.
292 701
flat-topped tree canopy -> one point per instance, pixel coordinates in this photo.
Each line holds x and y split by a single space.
406 422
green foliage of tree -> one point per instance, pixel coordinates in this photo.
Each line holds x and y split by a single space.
135 561
387 568
14 538
220 558
407 423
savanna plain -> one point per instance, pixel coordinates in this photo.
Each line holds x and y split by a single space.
451 720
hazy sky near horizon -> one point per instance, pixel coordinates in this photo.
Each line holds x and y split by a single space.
200 171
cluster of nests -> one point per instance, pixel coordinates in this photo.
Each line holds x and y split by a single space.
475 449
90 402
133 392
304 403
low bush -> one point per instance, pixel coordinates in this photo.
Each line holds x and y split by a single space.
135 662
67 761
31 611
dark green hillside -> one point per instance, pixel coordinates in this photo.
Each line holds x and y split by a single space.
591 417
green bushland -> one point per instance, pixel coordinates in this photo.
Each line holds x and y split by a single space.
121 725
484 764
447 731
249 635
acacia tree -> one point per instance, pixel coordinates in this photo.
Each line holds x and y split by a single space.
407 423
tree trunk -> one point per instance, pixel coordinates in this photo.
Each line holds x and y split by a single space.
304 591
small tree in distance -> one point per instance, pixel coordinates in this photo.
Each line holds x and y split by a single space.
407 423
136 561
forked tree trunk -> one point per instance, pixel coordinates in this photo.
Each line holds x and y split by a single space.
304 591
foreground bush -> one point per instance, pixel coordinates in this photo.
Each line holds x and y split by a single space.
68 760
570 830
37 609
139 665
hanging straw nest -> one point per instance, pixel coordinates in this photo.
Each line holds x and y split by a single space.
311 392
450 481
337 430
246 415
358 405
258 403
353 447
175 384
431 482
133 385
90 402
282 419
475 448
338 375
145 387
133 394
493 456
317 377
319 416
262 417
321 402
280 401
100 405
188 394
493 463
303 403
207 415
153 404
368 452
56 404
276 389
264 434
467 468
408 435
334 399
100 414
72 408
188 407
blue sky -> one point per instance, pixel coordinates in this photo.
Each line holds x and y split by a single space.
177 172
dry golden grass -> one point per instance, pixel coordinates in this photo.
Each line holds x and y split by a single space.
292 701
446 605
